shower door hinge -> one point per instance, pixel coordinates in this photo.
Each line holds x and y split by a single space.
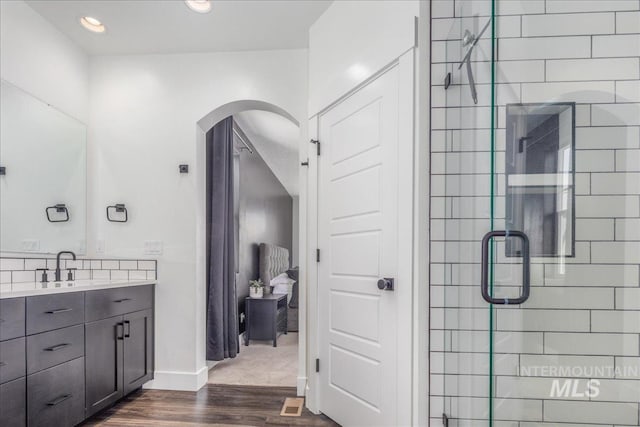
315 141
317 365
317 255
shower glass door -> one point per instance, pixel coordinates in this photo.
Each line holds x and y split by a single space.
535 261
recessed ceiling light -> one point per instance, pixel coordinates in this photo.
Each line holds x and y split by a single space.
92 24
200 6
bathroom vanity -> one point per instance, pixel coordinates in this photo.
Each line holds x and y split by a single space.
70 349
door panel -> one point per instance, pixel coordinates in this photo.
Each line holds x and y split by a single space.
138 349
358 239
104 378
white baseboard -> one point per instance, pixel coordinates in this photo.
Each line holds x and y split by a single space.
301 386
176 380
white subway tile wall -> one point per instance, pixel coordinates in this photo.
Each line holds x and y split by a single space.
582 321
22 270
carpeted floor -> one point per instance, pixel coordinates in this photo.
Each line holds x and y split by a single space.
261 364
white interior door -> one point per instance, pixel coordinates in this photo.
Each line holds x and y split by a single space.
358 239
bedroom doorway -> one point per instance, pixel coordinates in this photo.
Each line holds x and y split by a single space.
264 230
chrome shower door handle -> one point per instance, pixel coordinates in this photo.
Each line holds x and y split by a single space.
526 262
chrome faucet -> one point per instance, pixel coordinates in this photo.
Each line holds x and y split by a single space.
58 263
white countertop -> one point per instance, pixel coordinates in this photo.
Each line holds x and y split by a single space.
15 290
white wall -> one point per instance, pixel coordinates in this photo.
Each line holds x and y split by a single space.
38 58
352 41
144 111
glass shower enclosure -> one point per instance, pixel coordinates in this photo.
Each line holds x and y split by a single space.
535 213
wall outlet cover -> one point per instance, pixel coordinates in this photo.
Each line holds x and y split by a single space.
31 245
153 247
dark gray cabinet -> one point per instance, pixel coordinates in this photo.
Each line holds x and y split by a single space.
64 357
13 397
104 376
119 349
55 396
138 349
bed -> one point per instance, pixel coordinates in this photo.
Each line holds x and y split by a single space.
274 260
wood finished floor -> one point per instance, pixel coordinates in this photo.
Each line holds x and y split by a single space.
213 405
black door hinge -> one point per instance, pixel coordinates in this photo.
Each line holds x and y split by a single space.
315 141
317 255
317 365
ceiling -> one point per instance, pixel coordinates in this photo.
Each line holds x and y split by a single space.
169 26
277 140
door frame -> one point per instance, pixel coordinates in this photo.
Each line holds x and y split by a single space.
413 303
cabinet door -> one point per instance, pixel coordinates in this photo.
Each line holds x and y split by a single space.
13 396
138 349
104 375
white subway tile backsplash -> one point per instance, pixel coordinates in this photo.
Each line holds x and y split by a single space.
7 264
628 299
627 22
615 321
100 275
595 229
592 69
543 320
607 137
590 412
521 71
615 252
628 91
32 264
137 275
595 160
544 48
627 229
617 115
607 206
571 296
568 24
590 344
23 276
618 391
110 265
616 45
628 160
530 388
441 8
151 275
615 183
5 277
146 265
629 367
570 6
128 265
119 275
583 92
583 115
592 275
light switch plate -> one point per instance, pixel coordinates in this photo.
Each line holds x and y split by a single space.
30 245
153 247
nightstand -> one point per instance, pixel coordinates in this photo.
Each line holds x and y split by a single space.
266 318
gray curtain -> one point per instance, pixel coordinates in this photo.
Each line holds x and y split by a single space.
222 304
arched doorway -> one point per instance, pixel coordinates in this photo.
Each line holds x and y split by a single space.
203 126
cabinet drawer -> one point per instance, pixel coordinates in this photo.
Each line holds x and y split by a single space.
12 360
55 347
48 312
55 397
13 407
11 318
114 302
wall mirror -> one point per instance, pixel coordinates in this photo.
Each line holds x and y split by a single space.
540 177
42 176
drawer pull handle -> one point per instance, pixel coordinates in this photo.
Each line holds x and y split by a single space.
123 300
127 334
58 311
118 330
59 400
57 347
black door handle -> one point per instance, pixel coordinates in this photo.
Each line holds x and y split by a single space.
526 262
385 284
57 347
58 311
59 400
127 334
120 325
